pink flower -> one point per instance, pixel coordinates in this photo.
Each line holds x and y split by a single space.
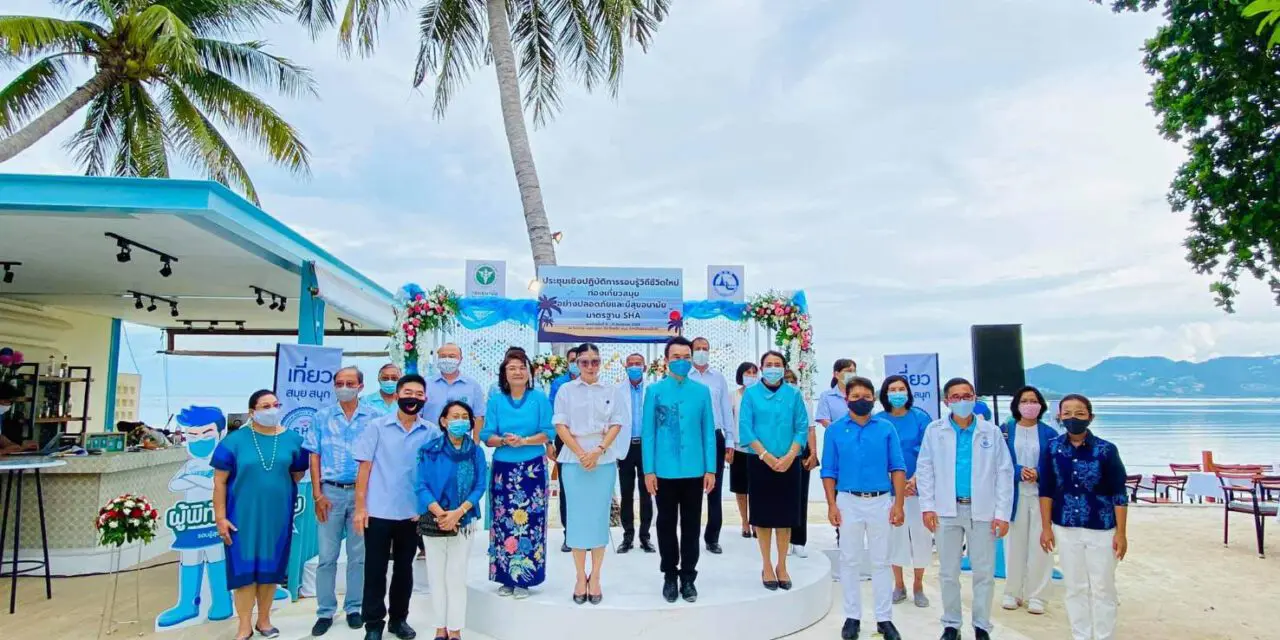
408 346
510 544
418 297
416 322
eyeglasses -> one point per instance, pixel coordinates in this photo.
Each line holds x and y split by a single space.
964 398
516 368
583 362
270 406
346 385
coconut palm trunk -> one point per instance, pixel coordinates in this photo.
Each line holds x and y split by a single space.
504 61
56 115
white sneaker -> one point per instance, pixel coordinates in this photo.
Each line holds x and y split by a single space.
1035 606
799 552
520 593
1010 603
791 550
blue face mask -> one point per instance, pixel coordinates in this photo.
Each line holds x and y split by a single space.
202 448
772 375
574 370
962 408
387 386
634 373
680 367
898 399
459 427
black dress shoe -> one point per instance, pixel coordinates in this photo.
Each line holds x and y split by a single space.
355 620
889 631
746 534
373 634
625 546
981 634
689 592
950 633
850 629
669 590
714 547
321 626
647 546
564 547
402 630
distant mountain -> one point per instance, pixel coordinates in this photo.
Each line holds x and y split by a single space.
1232 377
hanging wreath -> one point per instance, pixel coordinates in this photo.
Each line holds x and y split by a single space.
792 332
420 313
548 367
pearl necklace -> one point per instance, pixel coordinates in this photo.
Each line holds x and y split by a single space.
275 442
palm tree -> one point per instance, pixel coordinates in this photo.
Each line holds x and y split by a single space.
587 36
161 78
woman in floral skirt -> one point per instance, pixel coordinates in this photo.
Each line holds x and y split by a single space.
518 427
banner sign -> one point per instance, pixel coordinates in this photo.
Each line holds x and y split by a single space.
921 372
304 382
609 304
726 282
486 279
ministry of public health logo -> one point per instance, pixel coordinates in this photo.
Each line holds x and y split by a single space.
485 275
300 419
726 283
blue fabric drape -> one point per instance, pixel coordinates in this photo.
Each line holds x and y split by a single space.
709 309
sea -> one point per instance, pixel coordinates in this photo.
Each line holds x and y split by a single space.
1151 433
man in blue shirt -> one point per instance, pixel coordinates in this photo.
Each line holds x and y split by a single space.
864 475
386 506
383 401
331 443
1084 513
572 356
678 449
630 469
450 384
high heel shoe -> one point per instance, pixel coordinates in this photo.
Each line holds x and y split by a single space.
785 585
771 585
593 599
581 598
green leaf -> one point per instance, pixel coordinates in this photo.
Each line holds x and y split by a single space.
244 112
452 37
247 62
198 141
24 37
35 89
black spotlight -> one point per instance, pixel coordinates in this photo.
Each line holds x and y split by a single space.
166 269
274 304
137 301
173 309
152 306
260 301
8 273
125 254
283 301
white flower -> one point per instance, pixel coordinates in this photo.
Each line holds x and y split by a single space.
133 521
114 525
129 504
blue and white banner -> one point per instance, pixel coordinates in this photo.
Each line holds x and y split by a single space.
304 382
609 304
921 372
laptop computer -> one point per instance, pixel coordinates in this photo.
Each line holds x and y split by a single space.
51 446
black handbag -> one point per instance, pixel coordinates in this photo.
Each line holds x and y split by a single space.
428 527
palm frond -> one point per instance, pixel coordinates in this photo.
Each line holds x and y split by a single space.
247 62
24 37
198 142
317 16
97 137
213 18
104 10
140 149
243 111
535 38
451 42
166 39
618 23
359 26
576 38
41 85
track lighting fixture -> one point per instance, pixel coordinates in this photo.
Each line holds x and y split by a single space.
166 267
137 301
152 306
125 254
126 247
153 301
278 302
8 270
173 309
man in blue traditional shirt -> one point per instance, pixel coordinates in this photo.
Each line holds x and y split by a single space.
864 475
383 401
1084 513
678 446
630 471
451 384
331 443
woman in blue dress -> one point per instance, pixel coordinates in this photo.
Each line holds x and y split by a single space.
255 484
911 544
518 427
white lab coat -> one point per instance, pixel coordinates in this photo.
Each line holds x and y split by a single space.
992 479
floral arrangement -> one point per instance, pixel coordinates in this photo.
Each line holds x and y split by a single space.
125 519
789 320
421 312
548 367
10 359
657 368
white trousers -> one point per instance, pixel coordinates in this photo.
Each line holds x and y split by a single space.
867 517
447 572
1028 567
1089 573
911 544
954 536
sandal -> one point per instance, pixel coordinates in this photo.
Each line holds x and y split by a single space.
270 632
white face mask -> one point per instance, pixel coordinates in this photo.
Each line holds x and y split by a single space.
4 408
701 358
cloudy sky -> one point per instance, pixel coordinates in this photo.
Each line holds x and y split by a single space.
916 167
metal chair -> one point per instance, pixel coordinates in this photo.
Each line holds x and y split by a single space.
1160 487
1249 492
1133 483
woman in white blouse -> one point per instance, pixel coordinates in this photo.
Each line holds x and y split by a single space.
1029 568
589 418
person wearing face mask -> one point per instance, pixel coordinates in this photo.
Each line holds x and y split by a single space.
383 401
1029 569
570 356
808 462
386 507
8 394
451 479
964 477
864 478
911 544
519 428
678 445
255 483
1084 514
450 384
558 446
726 435
830 406
739 475
774 423
630 474
331 442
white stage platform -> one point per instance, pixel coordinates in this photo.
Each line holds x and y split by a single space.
732 602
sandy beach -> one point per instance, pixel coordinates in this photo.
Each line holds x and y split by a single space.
1177 582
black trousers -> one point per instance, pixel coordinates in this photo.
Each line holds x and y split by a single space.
800 534
715 510
679 504
394 541
631 480
564 518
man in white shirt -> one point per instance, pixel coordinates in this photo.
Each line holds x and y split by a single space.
450 384
726 434
964 478
631 466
